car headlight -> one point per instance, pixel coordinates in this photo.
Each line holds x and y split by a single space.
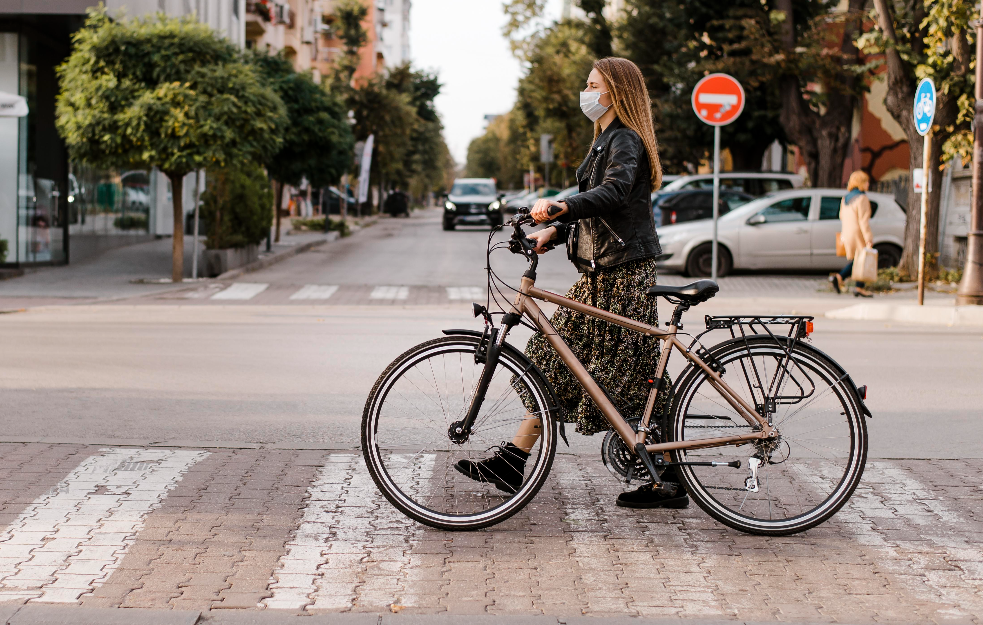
673 237
448 205
495 205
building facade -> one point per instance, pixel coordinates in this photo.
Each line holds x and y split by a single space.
53 210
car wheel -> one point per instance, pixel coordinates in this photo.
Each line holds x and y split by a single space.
700 261
888 255
448 224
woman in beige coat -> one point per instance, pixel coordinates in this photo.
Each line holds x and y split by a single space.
855 229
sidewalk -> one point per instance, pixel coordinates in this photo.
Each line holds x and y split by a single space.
133 270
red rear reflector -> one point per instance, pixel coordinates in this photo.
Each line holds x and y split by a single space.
672 217
808 327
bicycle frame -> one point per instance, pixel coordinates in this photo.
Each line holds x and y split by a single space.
525 305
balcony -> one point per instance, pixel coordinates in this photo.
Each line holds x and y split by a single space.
258 17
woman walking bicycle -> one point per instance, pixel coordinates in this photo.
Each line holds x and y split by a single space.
611 239
763 431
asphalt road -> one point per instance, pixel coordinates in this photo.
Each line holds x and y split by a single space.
296 372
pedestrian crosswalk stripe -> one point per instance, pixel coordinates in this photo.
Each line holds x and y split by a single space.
315 291
319 567
390 292
469 293
241 290
74 536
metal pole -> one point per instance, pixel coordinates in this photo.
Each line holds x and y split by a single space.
971 287
194 255
922 226
716 198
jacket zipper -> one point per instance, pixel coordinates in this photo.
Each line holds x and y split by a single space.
611 230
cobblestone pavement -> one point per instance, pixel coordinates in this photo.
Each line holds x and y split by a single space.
305 531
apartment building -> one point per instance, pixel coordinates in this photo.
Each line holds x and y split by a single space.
53 210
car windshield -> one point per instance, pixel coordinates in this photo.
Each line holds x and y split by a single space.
473 188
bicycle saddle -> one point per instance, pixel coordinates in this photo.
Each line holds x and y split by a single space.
691 294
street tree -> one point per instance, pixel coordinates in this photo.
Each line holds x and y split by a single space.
166 93
317 140
349 15
919 39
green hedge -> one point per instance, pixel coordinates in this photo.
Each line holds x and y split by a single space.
237 206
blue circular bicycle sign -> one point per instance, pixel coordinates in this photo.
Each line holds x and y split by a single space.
924 106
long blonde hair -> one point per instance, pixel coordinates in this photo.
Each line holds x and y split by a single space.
632 105
858 180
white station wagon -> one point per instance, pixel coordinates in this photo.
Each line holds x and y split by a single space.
785 230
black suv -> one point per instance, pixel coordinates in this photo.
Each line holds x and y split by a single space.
473 201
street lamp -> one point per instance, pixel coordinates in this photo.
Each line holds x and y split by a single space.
971 287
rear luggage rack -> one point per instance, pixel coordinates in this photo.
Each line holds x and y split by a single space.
801 325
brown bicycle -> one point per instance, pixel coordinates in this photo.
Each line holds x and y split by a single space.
767 432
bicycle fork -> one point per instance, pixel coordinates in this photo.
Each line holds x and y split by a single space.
459 431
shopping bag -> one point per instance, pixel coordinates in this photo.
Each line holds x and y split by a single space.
840 248
865 265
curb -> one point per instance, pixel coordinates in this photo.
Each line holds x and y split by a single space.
276 257
40 614
963 316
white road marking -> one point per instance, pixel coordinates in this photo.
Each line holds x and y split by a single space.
241 290
73 537
469 293
322 565
315 291
390 292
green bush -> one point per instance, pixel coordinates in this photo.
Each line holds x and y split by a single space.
130 222
314 223
3 250
339 226
953 276
237 206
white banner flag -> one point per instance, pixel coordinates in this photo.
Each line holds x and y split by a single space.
363 174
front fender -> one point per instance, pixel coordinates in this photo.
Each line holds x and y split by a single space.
555 407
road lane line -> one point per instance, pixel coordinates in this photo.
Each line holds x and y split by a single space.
241 290
315 291
322 567
390 292
469 293
74 536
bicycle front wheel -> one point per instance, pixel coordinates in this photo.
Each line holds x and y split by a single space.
787 484
406 441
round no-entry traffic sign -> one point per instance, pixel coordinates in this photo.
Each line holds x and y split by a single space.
924 110
718 99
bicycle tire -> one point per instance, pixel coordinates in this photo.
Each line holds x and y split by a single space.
836 467
438 448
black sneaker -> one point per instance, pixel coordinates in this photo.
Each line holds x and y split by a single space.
646 497
504 469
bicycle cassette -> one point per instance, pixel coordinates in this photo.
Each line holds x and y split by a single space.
621 461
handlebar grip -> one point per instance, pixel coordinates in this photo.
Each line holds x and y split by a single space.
554 210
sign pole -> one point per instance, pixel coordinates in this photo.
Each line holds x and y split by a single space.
716 198
922 226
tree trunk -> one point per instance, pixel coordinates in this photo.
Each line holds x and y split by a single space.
823 139
278 203
177 249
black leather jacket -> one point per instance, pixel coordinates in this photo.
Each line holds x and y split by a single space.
610 221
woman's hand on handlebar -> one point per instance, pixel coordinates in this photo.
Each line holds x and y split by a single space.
541 210
542 237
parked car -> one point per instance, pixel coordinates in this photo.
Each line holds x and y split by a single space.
472 201
676 207
753 183
332 201
787 230
564 194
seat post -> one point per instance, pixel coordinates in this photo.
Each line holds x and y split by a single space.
677 315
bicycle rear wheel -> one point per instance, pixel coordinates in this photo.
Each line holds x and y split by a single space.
807 472
409 413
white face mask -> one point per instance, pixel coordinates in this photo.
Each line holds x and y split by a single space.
590 104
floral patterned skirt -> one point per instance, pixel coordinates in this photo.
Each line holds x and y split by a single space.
618 359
